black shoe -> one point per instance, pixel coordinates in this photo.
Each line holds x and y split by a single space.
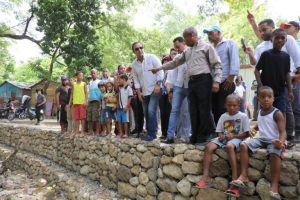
134 131
162 137
168 141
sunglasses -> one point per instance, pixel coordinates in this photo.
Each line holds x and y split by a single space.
138 48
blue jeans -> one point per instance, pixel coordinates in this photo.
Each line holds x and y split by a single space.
179 94
296 107
150 104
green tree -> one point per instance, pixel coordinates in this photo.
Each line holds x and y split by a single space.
7 63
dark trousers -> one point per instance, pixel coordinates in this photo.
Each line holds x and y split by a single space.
165 110
38 112
137 108
218 101
200 107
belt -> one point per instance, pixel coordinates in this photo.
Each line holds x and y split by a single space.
194 77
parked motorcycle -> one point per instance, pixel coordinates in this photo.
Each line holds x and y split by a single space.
22 113
7 111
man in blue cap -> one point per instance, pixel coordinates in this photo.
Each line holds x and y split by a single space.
230 63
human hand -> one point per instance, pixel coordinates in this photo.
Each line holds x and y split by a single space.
252 133
249 51
278 143
229 136
140 96
58 107
291 96
228 82
215 87
250 17
154 70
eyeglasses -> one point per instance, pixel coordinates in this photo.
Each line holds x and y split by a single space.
138 48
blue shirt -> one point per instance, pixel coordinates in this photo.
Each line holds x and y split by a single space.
94 91
229 55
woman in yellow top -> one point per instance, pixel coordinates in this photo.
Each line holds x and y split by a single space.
79 101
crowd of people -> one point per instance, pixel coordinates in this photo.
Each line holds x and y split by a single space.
200 95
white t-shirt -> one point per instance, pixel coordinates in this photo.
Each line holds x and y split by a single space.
124 94
239 90
238 123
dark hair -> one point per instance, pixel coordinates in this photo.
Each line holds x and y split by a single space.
39 89
265 88
179 39
78 73
124 77
173 49
277 31
120 66
232 97
269 22
133 44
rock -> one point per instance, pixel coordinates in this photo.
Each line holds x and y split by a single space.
160 173
184 187
263 188
244 197
151 188
173 171
178 159
146 160
168 150
143 178
180 148
127 160
124 147
141 190
180 197
210 194
193 155
289 174
155 151
167 185
165 196
298 187
149 197
165 160
42 182
254 174
134 181
261 154
296 156
152 174
222 153
257 164
289 192
136 170
141 148
136 160
191 168
127 190
156 162
193 178
85 170
219 168
250 189
220 183
124 174
105 182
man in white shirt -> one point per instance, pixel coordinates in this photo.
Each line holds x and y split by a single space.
148 86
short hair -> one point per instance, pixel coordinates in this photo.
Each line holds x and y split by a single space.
120 66
277 31
263 88
95 70
178 39
232 97
133 44
191 30
172 49
269 22
124 77
79 72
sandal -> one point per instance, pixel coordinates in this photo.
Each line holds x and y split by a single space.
203 185
233 192
238 183
274 196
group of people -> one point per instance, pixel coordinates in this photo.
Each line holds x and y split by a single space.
199 93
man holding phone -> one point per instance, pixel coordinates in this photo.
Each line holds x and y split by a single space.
230 63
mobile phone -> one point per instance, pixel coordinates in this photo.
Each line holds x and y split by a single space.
243 44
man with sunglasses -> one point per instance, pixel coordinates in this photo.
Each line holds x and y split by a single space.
205 73
148 86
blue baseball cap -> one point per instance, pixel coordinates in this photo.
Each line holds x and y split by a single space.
212 28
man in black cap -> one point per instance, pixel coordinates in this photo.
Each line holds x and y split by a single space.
62 101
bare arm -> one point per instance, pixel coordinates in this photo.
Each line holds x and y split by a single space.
242 135
257 76
57 100
85 93
252 22
71 96
289 86
281 126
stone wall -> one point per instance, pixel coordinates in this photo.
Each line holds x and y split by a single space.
143 170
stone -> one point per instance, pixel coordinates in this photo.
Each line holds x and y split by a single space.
152 174
220 183
165 160
296 156
165 196
105 182
134 181
209 194
193 155
136 170
127 190
193 178
180 148
124 147
127 160
136 160
146 160
149 197
141 148
178 159
85 170
143 178
257 164
173 171
168 150
254 174
151 188
180 197
263 188
167 185
184 187
160 173
141 190
250 189
289 192
245 197
191 167
155 151
124 173
219 168
298 187
261 154
156 162
222 153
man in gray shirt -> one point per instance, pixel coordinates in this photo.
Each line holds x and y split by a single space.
205 73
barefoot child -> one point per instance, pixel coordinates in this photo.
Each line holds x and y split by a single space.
110 106
233 126
272 136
